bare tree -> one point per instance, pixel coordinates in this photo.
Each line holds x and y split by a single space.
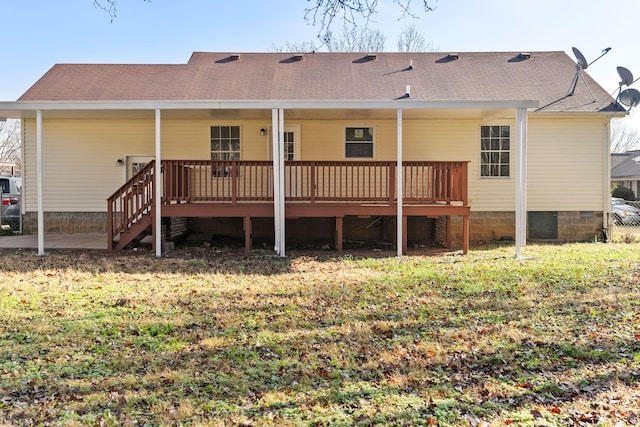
10 147
303 47
357 39
411 39
623 137
109 6
353 12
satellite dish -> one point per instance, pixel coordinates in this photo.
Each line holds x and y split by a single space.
626 78
630 97
582 61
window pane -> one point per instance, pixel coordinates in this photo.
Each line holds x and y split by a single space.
225 132
359 150
215 145
215 132
235 131
494 150
359 134
235 145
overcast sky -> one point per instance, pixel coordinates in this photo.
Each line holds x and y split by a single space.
39 33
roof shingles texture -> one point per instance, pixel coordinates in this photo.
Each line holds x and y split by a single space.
545 77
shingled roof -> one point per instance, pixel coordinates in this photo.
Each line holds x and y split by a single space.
540 76
628 167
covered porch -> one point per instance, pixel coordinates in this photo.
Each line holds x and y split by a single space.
279 188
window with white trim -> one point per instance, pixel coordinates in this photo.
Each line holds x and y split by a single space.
495 145
225 142
225 145
358 142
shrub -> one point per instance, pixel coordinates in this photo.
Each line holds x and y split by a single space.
623 193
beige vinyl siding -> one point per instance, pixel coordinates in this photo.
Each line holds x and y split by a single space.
566 164
79 161
565 156
79 155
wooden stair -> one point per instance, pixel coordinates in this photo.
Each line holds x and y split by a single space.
130 210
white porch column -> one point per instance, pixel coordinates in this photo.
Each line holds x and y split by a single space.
521 179
275 136
399 186
157 232
282 185
39 182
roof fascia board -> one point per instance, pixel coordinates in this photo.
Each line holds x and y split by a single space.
263 104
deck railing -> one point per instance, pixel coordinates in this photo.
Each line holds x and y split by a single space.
234 182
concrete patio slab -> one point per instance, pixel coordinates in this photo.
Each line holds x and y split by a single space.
56 241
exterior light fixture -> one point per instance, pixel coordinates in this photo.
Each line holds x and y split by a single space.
263 132
119 163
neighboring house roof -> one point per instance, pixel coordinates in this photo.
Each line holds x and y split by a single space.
542 76
627 168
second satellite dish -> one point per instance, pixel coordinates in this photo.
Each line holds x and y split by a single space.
630 97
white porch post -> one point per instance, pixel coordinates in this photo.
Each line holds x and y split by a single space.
276 178
157 232
399 187
39 182
282 185
521 179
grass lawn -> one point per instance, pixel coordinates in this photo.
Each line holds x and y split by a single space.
209 337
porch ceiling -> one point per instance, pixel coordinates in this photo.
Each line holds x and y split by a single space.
290 114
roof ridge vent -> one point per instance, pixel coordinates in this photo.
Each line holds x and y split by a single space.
371 56
298 57
525 55
453 56
234 57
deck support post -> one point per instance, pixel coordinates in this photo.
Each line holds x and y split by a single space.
39 182
521 179
248 244
465 234
157 196
399 191
405 237
339 233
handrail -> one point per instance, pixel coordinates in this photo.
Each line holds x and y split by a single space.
130 202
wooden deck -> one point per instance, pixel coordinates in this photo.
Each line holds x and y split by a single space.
244 189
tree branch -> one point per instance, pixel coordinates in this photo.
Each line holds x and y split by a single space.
324 12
